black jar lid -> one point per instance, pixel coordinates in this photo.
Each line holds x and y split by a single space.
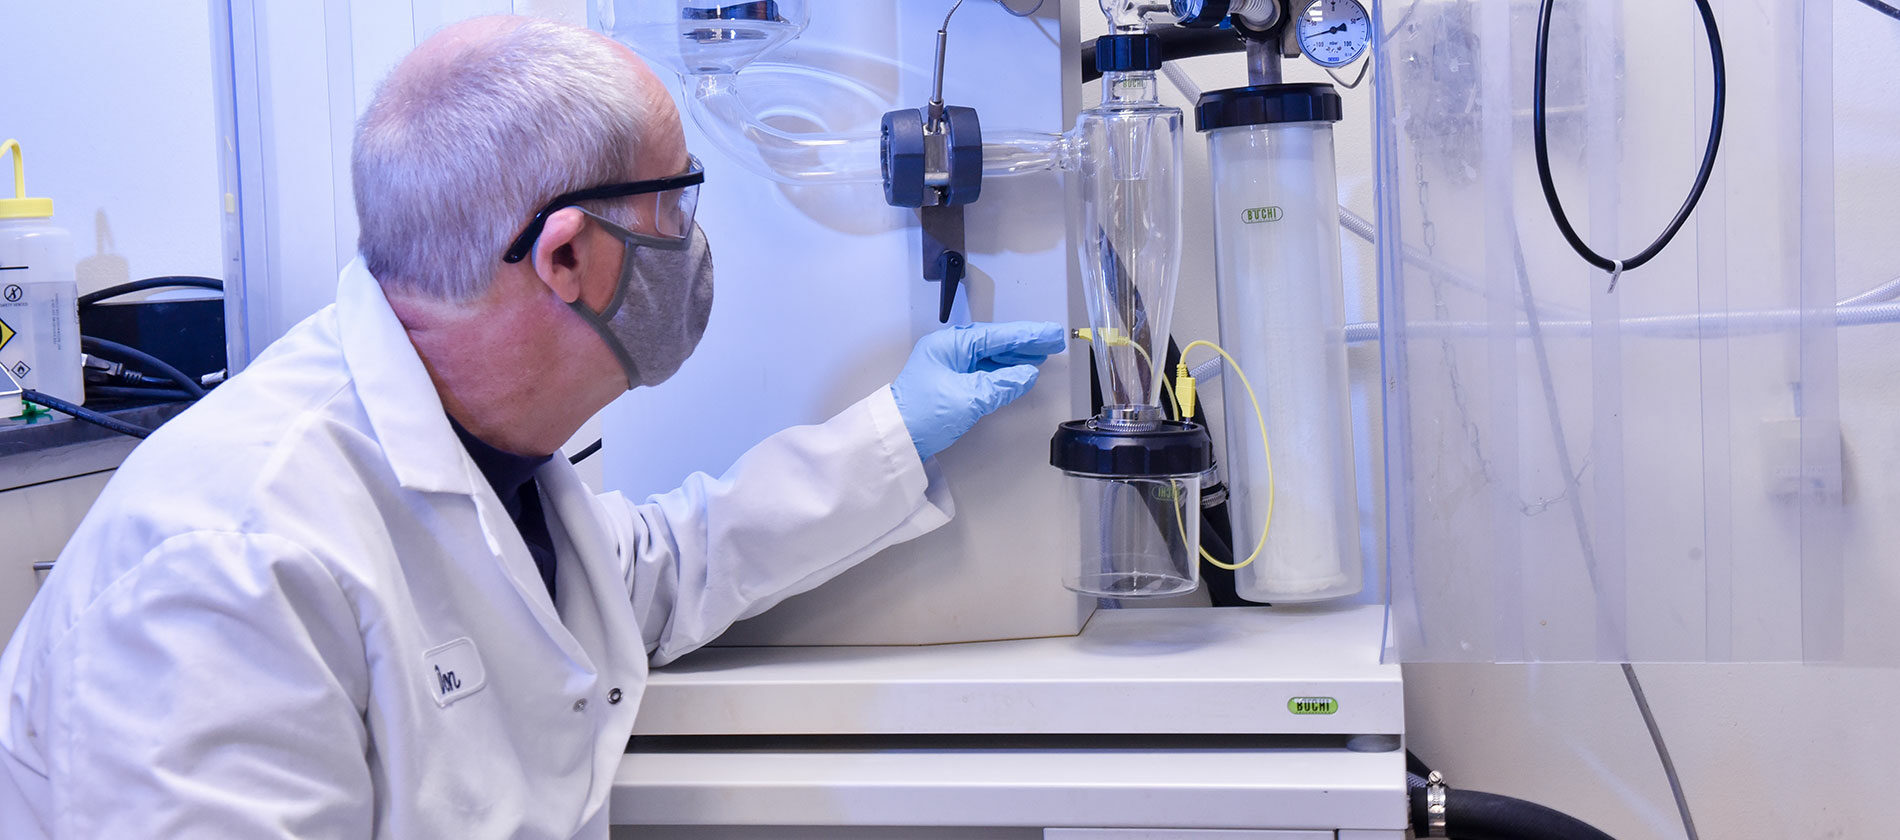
1126 53
1168 448
1267 105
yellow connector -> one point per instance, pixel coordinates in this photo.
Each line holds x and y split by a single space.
1110 336
1184 390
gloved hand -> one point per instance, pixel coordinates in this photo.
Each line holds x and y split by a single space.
958 375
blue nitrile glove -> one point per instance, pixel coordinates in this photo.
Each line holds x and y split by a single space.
956 376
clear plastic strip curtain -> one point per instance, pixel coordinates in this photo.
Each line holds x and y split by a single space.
1654 474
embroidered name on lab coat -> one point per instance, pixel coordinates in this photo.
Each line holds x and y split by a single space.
454 671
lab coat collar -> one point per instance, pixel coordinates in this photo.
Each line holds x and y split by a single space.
396 391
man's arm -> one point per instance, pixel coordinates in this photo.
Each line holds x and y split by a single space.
211 691
812 501
795 511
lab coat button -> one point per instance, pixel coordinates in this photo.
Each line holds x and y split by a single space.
613 696
580 705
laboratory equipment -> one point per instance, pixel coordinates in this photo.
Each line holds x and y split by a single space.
1139 490
1282 316
1250 724
1333 33
39 293
695 38
1293 498
1136 472
933 161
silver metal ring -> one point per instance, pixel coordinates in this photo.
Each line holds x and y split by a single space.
1435 805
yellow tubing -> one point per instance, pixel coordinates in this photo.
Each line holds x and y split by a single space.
1265 448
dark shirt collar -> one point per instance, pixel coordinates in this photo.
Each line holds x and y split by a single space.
505 471
512 476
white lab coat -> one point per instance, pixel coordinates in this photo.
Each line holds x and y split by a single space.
299 610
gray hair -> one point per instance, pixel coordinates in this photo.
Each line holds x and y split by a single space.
456 153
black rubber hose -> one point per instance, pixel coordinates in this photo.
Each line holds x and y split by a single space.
1415 786
1475 815
152 364
1176 43
85 414
169 282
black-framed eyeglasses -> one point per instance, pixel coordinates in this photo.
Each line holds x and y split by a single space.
670 212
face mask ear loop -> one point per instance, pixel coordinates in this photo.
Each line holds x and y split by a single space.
601 321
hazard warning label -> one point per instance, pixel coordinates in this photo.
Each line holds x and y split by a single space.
6 334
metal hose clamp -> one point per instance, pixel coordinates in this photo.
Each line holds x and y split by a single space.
1435 805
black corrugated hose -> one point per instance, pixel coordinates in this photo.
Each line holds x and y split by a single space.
1474 815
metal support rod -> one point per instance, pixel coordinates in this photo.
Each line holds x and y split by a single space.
935 121
1263 61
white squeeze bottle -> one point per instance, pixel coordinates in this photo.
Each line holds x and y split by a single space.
39 294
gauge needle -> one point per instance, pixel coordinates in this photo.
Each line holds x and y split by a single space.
1338 28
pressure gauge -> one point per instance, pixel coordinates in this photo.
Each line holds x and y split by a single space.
1333 33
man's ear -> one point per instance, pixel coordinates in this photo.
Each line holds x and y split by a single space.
558 253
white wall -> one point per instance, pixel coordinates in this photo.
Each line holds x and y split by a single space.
113 103
304 72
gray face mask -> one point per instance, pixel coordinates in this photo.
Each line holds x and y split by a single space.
660 306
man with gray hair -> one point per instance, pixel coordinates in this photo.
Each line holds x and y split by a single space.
352 594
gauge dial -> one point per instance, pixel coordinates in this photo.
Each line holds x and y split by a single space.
1333 33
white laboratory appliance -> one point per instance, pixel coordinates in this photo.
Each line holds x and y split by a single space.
969 684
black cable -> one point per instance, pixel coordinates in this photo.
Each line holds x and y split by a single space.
584 454
1541 135
1882 8
1662 751
1177 42
85 414
115 392
119 352
177 281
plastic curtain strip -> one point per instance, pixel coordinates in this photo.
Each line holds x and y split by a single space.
1655 475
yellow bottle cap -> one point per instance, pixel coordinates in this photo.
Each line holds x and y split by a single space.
19 206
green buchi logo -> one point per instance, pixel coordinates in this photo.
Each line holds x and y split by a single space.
1256 215
1312 705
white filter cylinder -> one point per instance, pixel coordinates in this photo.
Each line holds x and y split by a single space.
1282 316
39 308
